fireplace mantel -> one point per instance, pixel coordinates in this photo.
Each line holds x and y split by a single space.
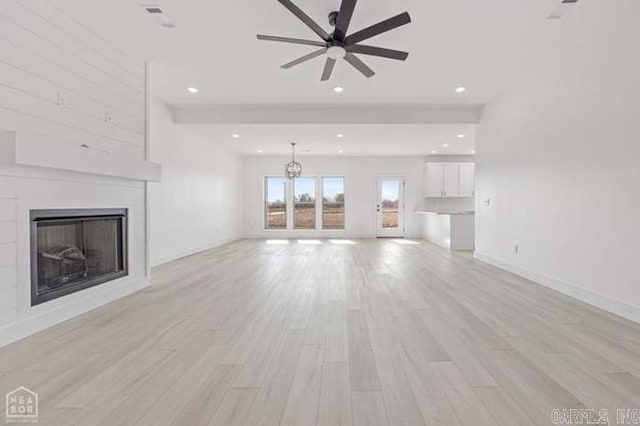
22 150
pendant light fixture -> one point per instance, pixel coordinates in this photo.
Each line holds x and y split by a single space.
293 169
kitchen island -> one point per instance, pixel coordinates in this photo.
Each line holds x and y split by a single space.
453 230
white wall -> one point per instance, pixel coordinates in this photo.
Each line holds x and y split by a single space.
360 191
198 204
559 157
60 83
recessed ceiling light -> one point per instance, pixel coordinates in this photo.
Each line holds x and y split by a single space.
460 136
338 89
235 136
340 135
259 151
473 152
461 89
434 152
340 151
445 145
192 90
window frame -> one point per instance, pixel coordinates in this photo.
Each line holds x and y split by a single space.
289 201
344 203
265 204
315 204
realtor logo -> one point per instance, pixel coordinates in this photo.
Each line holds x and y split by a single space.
21 406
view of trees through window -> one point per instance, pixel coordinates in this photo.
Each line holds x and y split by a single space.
304 199
390 199
303 194
333 203
276 203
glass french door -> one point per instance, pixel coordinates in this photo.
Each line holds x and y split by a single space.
390 207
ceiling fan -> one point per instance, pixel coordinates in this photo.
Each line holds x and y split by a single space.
339 45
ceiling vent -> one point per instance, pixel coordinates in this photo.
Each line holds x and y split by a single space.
155 9
561 9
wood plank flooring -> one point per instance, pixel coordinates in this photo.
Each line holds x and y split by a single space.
379 332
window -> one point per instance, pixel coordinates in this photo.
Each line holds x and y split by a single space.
302 195
304 203
275 203
333 203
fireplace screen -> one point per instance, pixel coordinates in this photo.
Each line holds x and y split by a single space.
75 249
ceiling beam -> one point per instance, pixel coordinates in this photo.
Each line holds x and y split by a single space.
328 114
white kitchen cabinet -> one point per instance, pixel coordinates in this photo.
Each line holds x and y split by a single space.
451 181
444 180
434 183
467 180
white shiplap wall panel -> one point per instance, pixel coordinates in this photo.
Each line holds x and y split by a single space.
7 231
66 79
70 36
7 254
7 208
28 41
9 316
36 86
63 83
46 109
84 34
7 276
46 129
34 33
66 82
7 297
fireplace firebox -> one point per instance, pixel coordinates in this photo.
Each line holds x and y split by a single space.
72 250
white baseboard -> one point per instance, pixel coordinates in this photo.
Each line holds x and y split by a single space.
166 258
64 311
598 300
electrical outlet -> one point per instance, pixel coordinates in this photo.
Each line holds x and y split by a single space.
516 249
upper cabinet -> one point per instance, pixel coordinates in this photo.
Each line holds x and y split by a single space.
467 179
434 184
449 180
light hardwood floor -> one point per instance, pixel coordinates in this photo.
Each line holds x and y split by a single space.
380 332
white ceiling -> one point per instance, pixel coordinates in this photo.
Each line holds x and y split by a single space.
482 45
357 140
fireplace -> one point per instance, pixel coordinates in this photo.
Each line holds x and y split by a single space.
72 250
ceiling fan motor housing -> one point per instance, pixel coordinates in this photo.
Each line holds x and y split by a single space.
336 52
333 18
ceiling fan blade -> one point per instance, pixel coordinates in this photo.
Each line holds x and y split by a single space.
344 19
379 28
306 19
305 58
359 65
328 69
291 40
379 51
